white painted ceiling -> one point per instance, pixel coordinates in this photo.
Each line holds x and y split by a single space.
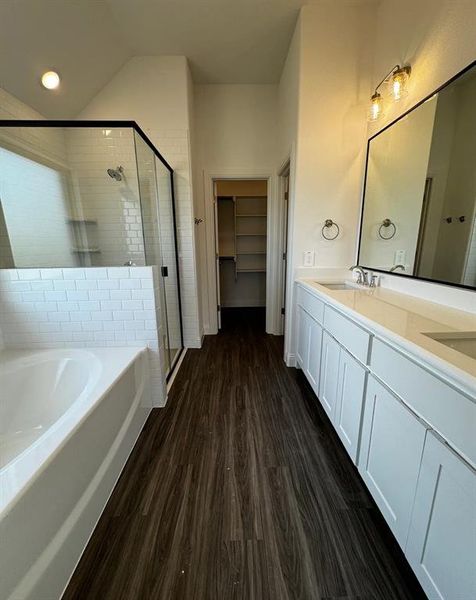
87 41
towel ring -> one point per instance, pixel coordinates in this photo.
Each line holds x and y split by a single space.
327 225
384 225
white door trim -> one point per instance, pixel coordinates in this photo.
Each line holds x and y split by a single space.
273 303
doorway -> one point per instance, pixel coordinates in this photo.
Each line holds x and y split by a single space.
241 230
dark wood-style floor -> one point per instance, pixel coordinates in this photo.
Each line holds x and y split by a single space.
240 489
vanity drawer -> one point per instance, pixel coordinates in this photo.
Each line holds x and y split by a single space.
347 333
448 411
311 304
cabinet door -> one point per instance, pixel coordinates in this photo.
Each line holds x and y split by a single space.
302 342
390 458
314 354
441 545
329 374
350 400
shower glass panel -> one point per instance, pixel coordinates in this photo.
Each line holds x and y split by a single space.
150 214
89 194
168 251
69 197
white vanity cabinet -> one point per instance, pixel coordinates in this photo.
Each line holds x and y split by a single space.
350 398
329 374
391 451
441 545
308 348
411 432
341 392
302 342
313 364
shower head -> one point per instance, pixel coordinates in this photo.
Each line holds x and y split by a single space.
116 173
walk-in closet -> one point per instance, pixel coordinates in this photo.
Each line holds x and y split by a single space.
241 233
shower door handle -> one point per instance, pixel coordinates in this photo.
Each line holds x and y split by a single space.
164 271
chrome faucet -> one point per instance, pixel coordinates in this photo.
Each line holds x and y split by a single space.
395 267
362 278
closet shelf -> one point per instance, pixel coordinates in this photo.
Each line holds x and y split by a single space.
251 215
251 252
251 235
251 270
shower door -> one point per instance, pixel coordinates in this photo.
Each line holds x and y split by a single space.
157 202
169 261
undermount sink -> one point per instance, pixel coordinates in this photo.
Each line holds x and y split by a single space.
461 341
337 286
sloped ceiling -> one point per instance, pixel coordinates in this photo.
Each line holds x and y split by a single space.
87 41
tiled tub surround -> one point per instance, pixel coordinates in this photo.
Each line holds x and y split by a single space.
65 448
84 308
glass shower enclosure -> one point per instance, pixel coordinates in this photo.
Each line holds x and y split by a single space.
90 194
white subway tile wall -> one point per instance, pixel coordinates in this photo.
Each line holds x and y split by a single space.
74 308
108 211
175 146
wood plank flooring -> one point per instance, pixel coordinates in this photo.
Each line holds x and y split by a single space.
240 489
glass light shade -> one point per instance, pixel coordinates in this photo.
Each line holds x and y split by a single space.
375 111
50 80
398 83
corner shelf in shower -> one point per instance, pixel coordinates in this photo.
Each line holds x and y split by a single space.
86 250
82 221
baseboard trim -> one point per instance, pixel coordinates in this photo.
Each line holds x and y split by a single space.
290 360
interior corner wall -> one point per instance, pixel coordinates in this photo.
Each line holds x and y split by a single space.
288 99
236 135
437 38
155 91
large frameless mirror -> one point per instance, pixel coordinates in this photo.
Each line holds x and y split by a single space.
419 207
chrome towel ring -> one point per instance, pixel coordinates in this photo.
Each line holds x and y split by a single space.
328 223
386 223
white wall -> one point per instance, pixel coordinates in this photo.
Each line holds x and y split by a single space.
153 91
335 55
236 136
289 99
330 61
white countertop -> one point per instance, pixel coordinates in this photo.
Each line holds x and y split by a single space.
403 319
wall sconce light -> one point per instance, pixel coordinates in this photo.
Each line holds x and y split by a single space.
376 105
397 79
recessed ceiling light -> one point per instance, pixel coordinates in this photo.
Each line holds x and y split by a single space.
50 80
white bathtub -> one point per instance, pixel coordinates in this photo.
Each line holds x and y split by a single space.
68 421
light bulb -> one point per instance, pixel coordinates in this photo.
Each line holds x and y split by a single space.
398 82
50 80
375 107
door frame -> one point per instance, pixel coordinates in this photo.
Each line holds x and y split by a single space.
273 264
283 206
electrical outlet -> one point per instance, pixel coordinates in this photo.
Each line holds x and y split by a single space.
308 258
400 257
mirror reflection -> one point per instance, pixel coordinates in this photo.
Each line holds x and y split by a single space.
420 191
